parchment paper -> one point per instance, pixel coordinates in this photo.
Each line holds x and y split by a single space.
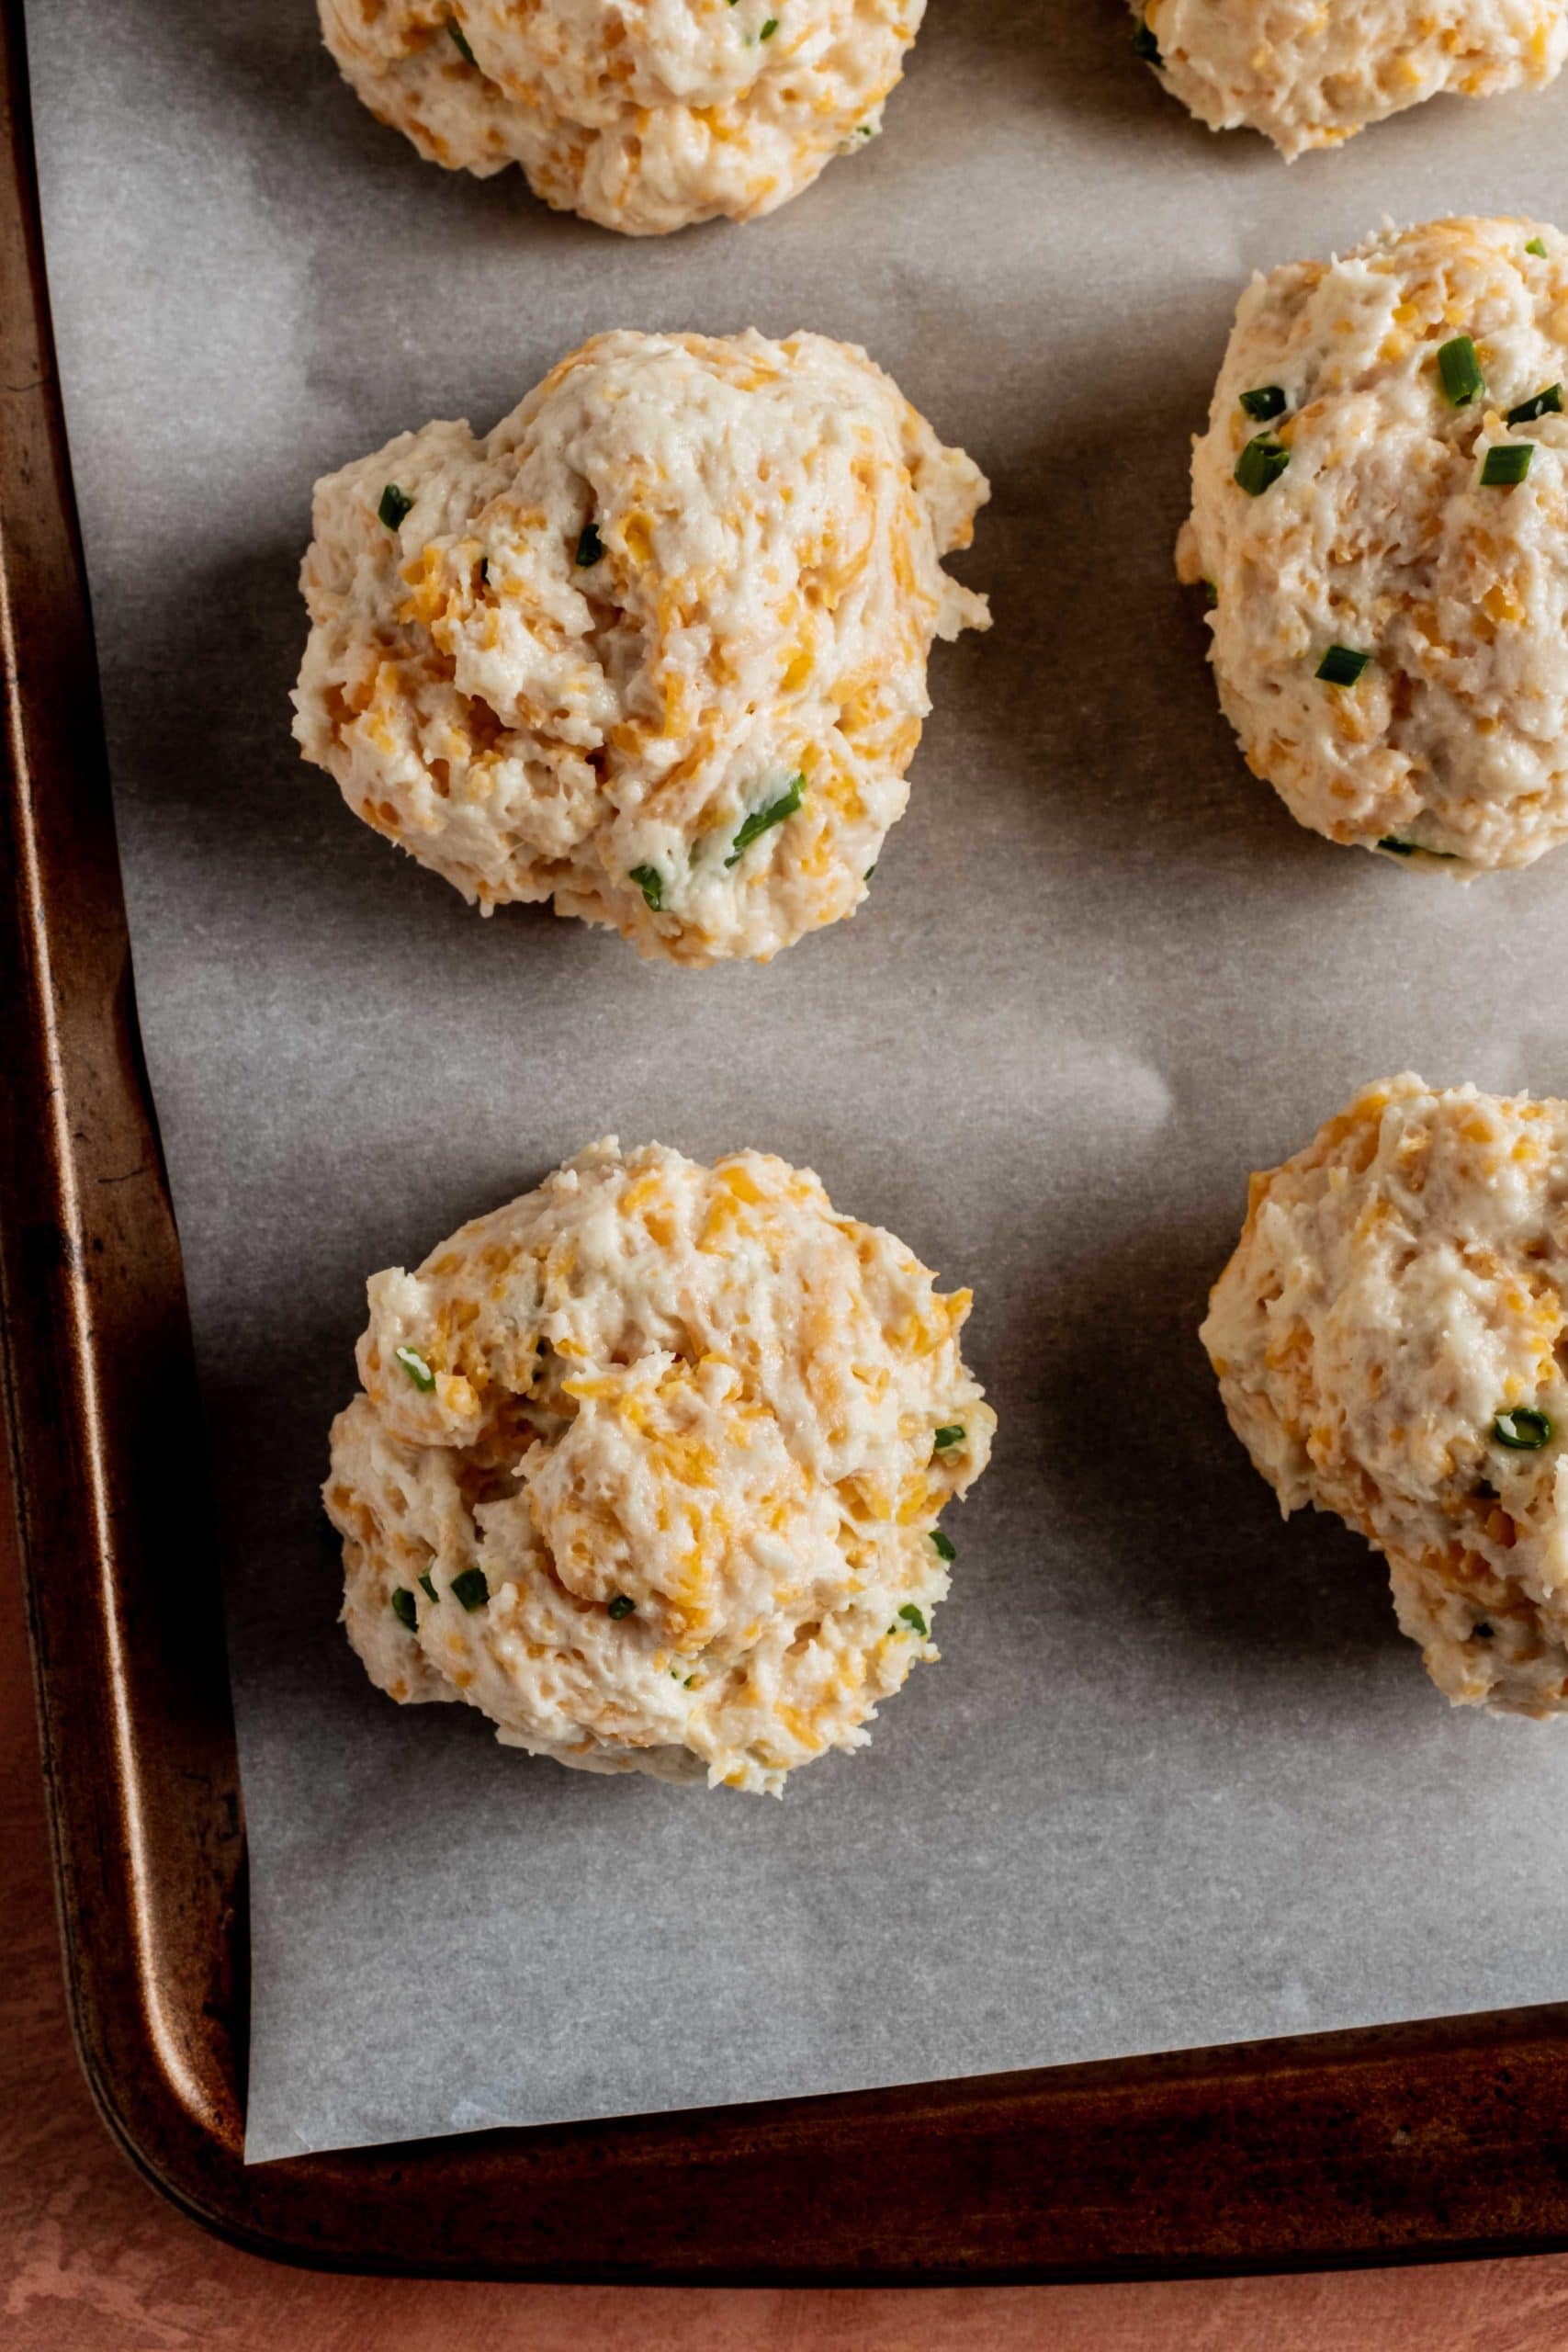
1178 1779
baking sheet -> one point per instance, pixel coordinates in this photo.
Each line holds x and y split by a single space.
1178 1779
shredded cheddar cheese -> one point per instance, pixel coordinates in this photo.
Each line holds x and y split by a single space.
663 1500
577 669
1313 73
644 116
1389 1340
1389 617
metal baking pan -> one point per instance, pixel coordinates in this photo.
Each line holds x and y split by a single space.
1445 2138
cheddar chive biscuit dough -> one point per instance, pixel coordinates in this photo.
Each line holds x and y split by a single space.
643 115
649 1465
1389 1340
655 648
1309 74
1380 507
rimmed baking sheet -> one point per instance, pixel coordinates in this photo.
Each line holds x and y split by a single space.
1178 1781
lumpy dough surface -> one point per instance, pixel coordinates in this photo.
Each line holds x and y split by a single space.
1310 75
655 648
1372 538
648 1467
643 115
1390 1338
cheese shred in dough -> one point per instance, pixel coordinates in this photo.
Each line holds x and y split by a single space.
655 648
1379 508
648 1467
1390 1339
1313 73
643 115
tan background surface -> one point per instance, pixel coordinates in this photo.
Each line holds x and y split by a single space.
91 2261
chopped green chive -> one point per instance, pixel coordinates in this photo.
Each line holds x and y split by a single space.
622 1605
1460 372
1146 46
1536 245
871 870
1268 400
1261 463
472 1589
395 505
1418 849
460 41
768 29
942 1545
1547 403
1506 465
1523 1431
590 546
650 882
427 1585
1342 665
910 1615
950 1436
405 1609
418 1371
762 820
1210 594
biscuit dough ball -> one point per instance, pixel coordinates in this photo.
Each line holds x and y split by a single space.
643 115
1390 1339
1311 76
648 1467
655 648
1378 505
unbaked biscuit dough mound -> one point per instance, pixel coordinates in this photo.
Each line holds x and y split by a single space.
648 1467
643 115
1378 505
1309 74
1390 1339
655 648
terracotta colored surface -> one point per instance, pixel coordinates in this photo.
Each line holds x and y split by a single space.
91 2261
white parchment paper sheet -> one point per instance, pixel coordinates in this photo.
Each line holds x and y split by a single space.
1176 1780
